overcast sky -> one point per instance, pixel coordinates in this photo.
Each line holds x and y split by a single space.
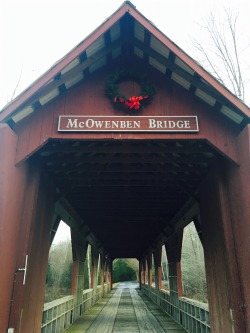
35 34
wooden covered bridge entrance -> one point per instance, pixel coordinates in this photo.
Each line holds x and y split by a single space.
126 139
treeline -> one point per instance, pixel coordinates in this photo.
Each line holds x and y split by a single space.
125 270
58 280
193 266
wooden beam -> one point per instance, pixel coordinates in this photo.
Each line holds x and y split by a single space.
128 159
147 148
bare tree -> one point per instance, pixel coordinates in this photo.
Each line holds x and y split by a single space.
221 55
58 279
17 85
193 265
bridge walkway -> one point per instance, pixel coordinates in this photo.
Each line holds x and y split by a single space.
125 310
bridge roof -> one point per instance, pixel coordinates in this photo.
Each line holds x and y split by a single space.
126 32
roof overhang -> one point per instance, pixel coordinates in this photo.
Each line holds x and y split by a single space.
126 30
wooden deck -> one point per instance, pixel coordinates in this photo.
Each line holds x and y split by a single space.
125 310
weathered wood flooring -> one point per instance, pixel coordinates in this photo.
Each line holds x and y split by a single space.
125 310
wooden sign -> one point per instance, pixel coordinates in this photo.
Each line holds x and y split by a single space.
128 124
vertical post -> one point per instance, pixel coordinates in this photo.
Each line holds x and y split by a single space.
101 270
34 242
109 263
149 261
107 271
79 250
173 249
75 268
12 188
158 269
26 214
93 269
144 270
238 181
140 273
94 272
111 273
179 279
225 203
214 217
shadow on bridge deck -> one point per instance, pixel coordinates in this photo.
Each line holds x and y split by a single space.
125 310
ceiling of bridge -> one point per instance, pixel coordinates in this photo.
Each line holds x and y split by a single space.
127 192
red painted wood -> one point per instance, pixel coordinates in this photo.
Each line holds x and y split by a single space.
143 271
217 260
140 274
74 277
40 249
58 109
12 185
107 273
93 270
22 130
101 269
150 273
159 276
34 241
238 181
179 279
26 216
110 273
47 123
36 127
89 99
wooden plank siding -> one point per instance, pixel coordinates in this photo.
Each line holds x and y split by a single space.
89 99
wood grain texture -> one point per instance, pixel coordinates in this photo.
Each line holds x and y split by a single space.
125 310
89 98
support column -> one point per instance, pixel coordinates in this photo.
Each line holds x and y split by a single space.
107 277
102 270
12 188
79 250
36 219
222 255
150 277
94 272
94 260
158 269
144 270
238 233
140 273
111 273
109 264
173 250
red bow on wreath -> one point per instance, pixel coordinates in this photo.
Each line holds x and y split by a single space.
133 102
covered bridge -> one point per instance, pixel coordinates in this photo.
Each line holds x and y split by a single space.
127 139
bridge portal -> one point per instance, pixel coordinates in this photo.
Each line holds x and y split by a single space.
127 139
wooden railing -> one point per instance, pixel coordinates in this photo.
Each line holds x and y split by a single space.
58 315
191 315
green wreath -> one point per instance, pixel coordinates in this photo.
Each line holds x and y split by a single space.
133 103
